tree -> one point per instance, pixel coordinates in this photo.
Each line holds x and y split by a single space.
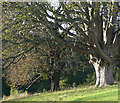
22 37
91 28
43 62
21 73
88 28
53 60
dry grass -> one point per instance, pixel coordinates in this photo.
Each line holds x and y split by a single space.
13 97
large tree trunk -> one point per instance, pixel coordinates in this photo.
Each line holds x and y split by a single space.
104 74
55 81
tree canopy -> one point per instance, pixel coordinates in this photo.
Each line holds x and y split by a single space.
90 28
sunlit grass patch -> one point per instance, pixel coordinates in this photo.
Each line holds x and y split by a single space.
86 93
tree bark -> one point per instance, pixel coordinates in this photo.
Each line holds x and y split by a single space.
104 74
55 81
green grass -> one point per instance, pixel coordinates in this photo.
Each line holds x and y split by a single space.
109 93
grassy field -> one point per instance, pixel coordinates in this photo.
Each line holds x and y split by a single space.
109 93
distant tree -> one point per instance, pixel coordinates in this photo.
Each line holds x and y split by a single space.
52 62
21 73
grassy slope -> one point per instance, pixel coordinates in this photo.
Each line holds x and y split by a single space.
109 93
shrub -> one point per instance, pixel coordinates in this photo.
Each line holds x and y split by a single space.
74 85
44 90
63 84
13 91
115 73
91 79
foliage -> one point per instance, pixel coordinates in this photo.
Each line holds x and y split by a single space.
74 85
63 84
25 14
13 91
116 73
21 73
91 79
44 91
